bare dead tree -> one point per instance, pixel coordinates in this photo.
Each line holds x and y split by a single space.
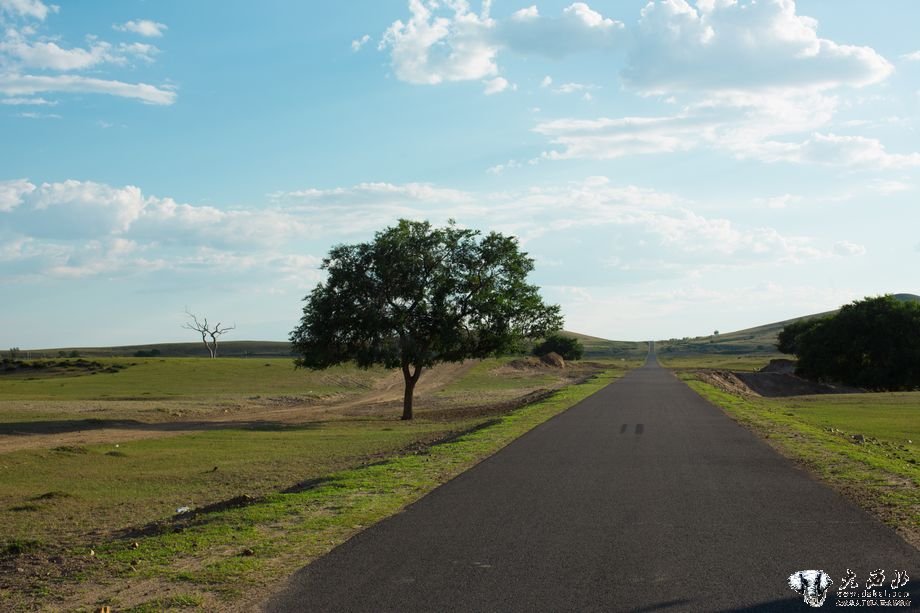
202 328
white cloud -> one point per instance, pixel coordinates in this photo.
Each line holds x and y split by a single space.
547 81
360 42
846 248
143 27
430 49
12 84
27 8
742 45
572 88
744 125
580 28
23 48
835 150
757 77
913 56
12 193
48 55
27 102
77 228
526 14
501 168
496 86
34 115
449 42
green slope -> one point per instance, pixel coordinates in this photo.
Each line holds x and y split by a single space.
760 340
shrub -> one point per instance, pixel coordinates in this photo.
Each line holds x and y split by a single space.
567 346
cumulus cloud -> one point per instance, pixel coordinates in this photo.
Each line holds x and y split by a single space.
742 45
579 29
27 8
756 80
431 48
143 27
358 43
450 42
913 56
12 193
496 86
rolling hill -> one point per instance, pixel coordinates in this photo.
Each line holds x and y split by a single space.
594 348
759 340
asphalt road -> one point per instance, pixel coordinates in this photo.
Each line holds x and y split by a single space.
643 497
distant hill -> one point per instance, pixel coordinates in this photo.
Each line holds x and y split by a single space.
602 348
758 340
594 348
238 349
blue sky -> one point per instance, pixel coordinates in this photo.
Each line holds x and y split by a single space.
673 166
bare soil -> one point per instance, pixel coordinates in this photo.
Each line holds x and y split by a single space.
776 380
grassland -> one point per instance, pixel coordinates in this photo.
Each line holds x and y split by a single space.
741 363
276 466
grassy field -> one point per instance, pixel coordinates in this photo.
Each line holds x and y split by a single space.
747 363
265 494
865 445
186 379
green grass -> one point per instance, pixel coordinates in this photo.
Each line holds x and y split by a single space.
228 556
190 378
882 474
718 362
62 494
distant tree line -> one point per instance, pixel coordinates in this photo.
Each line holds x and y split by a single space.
872 343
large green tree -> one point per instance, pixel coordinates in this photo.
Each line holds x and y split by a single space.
417 295
872 343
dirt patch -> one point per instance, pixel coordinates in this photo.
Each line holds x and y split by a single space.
771 383
777 385
727 381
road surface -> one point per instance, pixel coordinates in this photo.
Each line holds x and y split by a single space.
643 497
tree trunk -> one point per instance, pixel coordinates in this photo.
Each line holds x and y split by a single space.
411 379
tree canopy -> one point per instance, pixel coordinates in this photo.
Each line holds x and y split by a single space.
872 343
417 295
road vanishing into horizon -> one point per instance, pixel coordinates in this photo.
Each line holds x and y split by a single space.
642 497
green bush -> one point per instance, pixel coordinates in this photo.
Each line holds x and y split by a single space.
872 343
566 346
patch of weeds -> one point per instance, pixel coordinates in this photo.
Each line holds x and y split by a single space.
53 495
19 547
24 508
116 454
70 449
